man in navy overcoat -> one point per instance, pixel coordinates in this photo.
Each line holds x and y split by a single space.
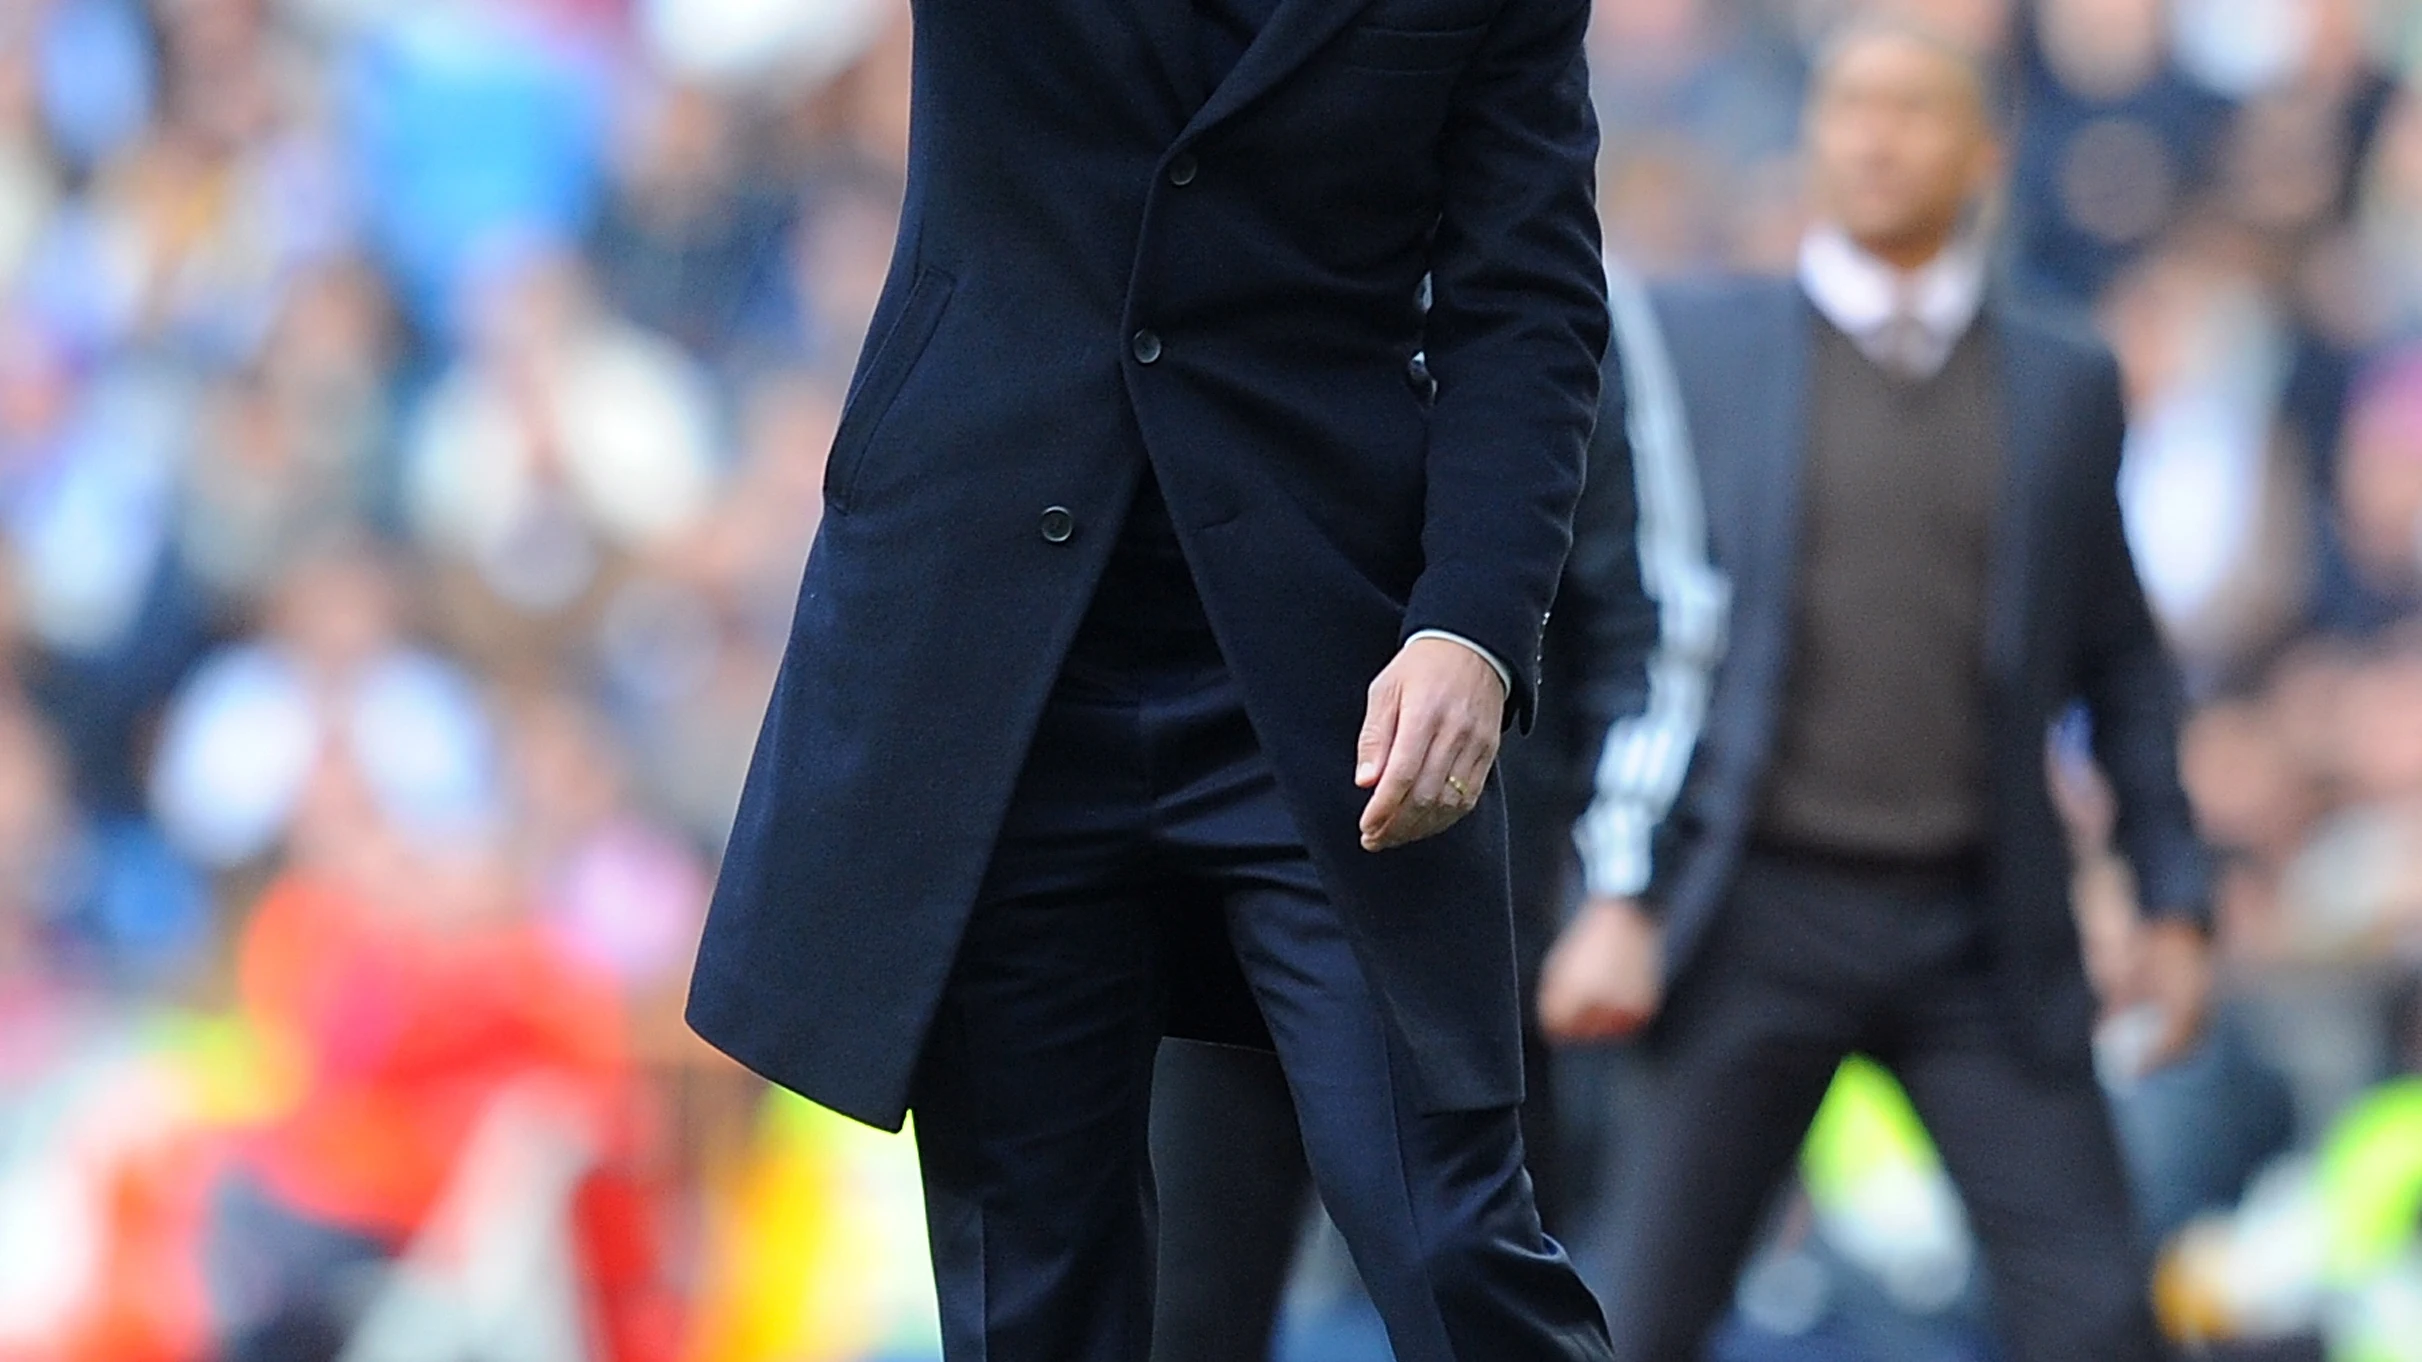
1189 534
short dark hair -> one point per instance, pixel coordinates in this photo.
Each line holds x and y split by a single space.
1981 68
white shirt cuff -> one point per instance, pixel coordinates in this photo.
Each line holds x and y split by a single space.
1505 678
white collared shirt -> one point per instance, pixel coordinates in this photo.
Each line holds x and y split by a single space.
1864 296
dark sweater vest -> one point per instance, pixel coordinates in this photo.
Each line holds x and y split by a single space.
1880 750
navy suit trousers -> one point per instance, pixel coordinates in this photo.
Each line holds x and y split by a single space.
1148 828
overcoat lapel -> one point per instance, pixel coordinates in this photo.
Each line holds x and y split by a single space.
1167 29
1295 30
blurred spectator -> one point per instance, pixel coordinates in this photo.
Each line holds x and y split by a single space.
97 903
610 890
1693 95
816 314
2355 889
2379 491
787 46
110 619
689 237
332 684
2217 504
2389 210
562 440
689 646
472 127
2194 1131
95 500
2256 798
43 847
278 277
2311 99
2112 144
28 184
92 68
408 996
290 448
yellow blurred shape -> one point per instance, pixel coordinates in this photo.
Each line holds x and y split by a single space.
1865 1127
817 1246
233 1073
2370 1170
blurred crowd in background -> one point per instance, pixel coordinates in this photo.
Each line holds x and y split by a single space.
412 415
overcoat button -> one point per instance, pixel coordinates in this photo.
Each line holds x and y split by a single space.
1058 524
1147 347
1182 169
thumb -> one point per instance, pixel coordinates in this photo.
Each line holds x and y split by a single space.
1378 732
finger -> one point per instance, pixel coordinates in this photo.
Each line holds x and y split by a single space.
1387 798
1379 720
1446 816
1604 1023
1398 770
1423 821
1459 772
1448 784
1472 770
1444 758
1419 819
1614 1014
1564 1028
1396 825
1419 823
1623 1023
1593 1023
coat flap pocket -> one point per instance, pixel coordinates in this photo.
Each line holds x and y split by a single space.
1375 47
893 354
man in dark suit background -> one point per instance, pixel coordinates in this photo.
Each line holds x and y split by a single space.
1151 661
1911 489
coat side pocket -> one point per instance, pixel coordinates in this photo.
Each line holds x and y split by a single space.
885 372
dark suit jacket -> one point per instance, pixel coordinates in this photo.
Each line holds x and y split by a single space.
1102 263
2066 623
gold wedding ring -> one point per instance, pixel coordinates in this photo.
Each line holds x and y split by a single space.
1462 791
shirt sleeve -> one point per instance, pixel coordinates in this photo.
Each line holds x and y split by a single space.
1505 675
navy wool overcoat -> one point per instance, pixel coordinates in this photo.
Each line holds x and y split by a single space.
1102 264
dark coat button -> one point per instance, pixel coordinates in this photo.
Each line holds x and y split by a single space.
1058 524
1182 169
1147 347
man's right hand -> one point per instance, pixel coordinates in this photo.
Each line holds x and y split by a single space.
1604 980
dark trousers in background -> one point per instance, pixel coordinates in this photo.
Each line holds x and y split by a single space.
1145 801
1807 965
1234 1192
285 1287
